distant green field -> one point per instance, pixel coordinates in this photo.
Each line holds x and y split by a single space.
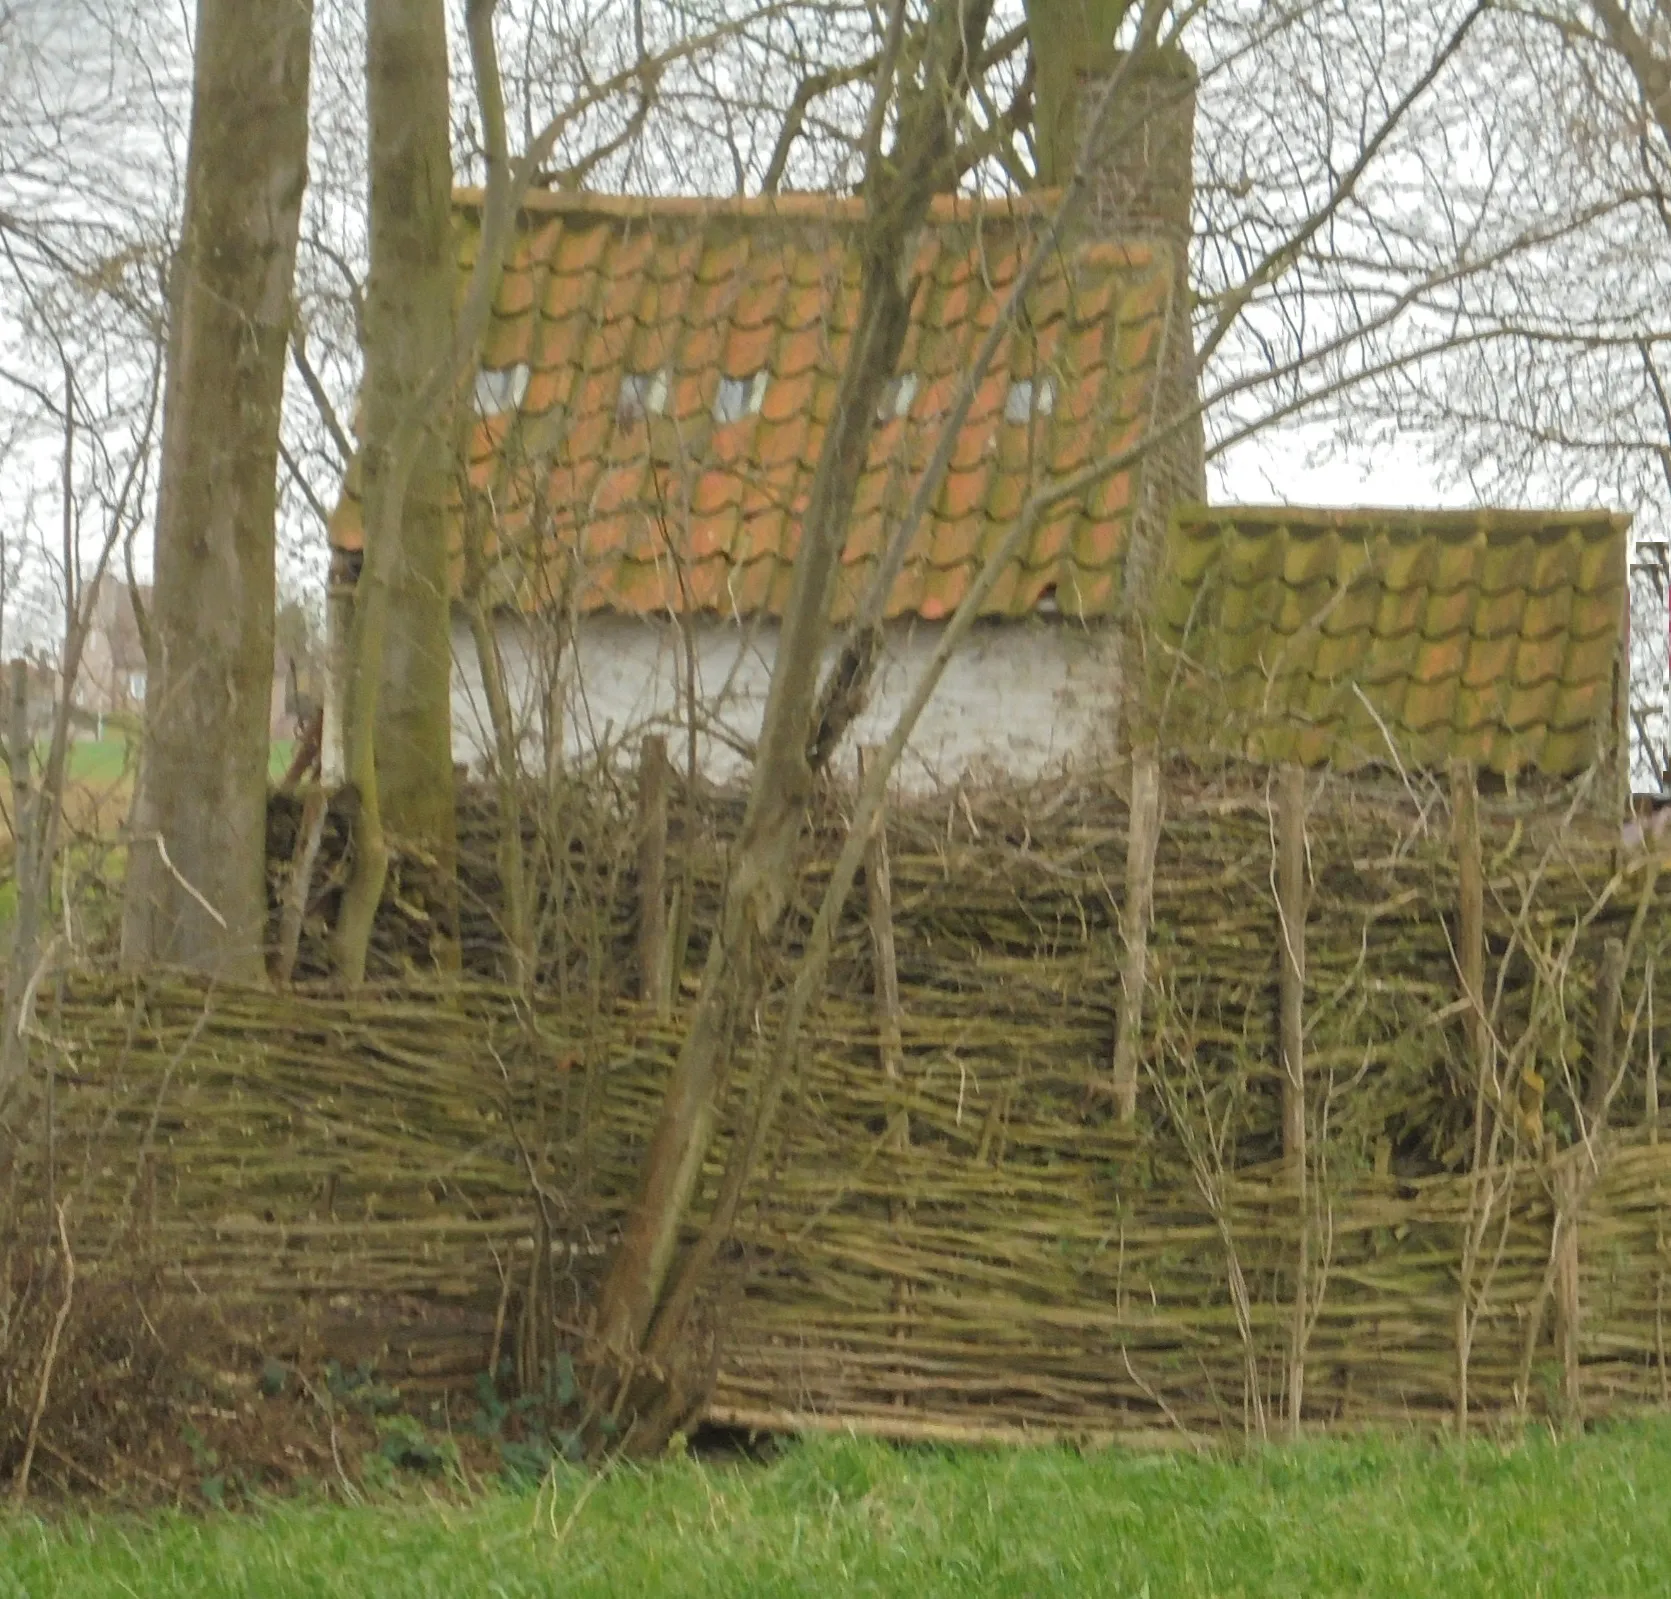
835 1518
101 762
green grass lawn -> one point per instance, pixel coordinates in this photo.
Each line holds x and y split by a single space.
841 1517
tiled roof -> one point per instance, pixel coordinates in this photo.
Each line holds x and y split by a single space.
663 372
1317 636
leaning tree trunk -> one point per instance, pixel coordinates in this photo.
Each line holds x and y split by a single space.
196 889
405 781
898 187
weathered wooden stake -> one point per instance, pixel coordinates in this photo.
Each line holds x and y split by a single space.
1291 909
1650 1092
1470 960
1568 1306
552 726
653 974
879 898
880 902
1470 939
300 883
1141 840
1291 916
1570 1186
1604 1051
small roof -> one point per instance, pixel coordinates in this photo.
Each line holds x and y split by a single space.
660 373
1289 634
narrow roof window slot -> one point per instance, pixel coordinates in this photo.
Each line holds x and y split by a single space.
1029 398
500 389
643 394
740 397
897 397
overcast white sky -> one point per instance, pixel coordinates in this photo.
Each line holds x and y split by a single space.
1305 466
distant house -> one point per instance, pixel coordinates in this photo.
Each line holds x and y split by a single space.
659 386
113 658
654 394
113 673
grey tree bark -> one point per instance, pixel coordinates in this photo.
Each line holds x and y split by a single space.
196 888
400 760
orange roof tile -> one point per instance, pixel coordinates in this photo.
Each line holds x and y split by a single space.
613 304
1319 635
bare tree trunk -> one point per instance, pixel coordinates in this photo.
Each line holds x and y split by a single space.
1650 70
196 891
898 188
20 757
400 759
514 882
410 437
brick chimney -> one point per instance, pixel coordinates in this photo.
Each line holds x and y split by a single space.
1142 189
1143 181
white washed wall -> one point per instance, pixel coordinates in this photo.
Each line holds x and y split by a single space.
1021 698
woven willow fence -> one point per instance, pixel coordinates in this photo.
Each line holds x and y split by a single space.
1393 1149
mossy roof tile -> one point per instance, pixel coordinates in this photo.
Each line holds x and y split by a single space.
1500 613
1455 564
1490 660
1429 705
1310 560
1590 660
1560 753
1344 608
1339 658
1447 611
1490 635
1527 708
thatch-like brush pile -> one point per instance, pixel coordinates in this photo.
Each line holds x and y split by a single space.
378 1175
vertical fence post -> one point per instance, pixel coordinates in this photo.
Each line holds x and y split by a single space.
1605 1049
880 906
310 833
1650 1088
1470 938
654 978
879 899
1470 959
1291 909
1570 1186
1291 914
1568 1307
1142 837
552 729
